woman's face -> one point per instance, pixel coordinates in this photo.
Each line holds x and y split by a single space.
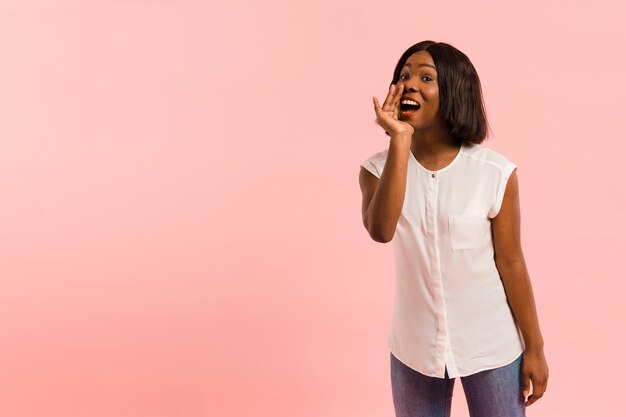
419 77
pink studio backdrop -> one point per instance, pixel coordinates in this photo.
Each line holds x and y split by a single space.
180 209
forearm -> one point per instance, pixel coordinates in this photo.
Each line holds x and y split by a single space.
518 288
386 205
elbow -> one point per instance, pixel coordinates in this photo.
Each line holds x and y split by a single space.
377 231
380 236
509 259
380 239
507 267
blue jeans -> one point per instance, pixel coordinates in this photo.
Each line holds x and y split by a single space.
491 393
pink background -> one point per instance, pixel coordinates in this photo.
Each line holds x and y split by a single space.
180 209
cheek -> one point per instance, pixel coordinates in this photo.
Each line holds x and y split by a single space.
432 99
431 94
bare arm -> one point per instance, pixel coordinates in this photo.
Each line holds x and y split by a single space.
383 198
514 274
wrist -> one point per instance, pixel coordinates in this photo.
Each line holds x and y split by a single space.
534 347
402 139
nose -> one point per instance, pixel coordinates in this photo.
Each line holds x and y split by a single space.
409 87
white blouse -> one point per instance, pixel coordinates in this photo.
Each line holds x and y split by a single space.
450 308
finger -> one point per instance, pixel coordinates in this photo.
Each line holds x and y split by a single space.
532 399
397 98
539 387
529 402
525 384
377 106
380 113
538 390
529 398
387 104
377 109
387 97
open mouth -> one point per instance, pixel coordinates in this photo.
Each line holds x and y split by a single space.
408 107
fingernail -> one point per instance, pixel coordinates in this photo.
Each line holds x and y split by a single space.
525 392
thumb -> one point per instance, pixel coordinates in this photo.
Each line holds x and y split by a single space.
525 384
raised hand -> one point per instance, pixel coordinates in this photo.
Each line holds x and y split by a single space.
387 116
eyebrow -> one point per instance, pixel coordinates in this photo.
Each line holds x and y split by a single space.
408 64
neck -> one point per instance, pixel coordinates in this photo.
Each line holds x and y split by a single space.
433 144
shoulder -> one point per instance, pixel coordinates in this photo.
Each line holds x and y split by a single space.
378 156
489 157
376 162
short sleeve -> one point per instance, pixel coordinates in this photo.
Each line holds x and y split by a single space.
505 173
375 163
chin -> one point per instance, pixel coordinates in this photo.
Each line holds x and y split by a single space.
409 121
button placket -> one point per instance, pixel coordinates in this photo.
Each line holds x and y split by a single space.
444 349
432 193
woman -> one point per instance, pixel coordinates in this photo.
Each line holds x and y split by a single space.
463 300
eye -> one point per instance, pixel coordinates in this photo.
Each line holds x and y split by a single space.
404 77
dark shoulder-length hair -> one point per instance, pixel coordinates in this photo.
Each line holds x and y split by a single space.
460 94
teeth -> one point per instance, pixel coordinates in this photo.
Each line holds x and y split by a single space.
407 101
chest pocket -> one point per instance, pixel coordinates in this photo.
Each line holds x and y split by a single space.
468 231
